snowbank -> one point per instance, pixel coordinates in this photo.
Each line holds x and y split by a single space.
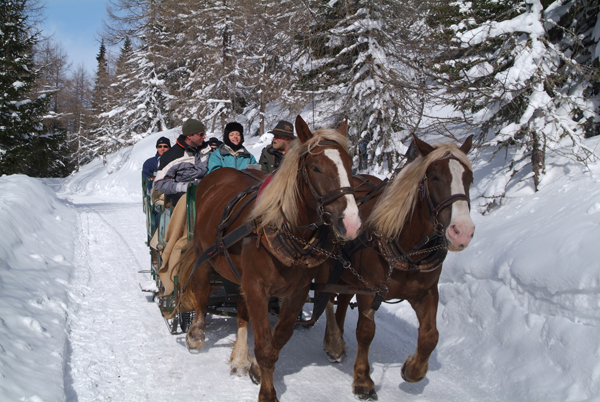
36 247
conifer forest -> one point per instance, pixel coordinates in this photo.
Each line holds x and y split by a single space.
521 75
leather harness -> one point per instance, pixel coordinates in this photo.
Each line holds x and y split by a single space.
222 242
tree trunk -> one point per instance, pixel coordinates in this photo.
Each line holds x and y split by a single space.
537 159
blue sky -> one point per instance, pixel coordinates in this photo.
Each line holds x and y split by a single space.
76 24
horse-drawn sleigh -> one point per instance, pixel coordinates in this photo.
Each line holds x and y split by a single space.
302 232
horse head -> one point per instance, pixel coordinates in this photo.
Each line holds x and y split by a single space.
327 173
446 185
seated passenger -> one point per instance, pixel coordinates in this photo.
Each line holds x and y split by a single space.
150 166
231 153
185 162
272 155
214 143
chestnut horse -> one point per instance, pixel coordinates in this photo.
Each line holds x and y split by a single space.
299 217
424 210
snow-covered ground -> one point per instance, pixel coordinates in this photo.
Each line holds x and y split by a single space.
519 315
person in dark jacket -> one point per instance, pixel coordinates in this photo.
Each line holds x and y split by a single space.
185 162
231 153
272 155
214 143
150 166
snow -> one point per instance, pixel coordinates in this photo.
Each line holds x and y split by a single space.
519 315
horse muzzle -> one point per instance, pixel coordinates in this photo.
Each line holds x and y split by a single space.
459 235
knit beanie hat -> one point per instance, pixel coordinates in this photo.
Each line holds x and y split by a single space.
163 140
192 126
284 128
233 126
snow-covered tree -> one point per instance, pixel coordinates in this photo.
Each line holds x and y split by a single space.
267 50
524 74
146 108
24 148
82 145
356 69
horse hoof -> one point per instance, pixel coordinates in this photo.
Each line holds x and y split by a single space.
336 359
239 371
406 376
254 373
195 340
364 394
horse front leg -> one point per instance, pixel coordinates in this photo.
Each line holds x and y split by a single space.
265 350
195 338
288 313
333 343
240 359
415 367
362 384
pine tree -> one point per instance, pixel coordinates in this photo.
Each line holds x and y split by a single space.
83 148
147 109
23 147
355 66
524 73
102 136
266 52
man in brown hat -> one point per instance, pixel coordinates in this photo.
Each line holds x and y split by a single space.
272 155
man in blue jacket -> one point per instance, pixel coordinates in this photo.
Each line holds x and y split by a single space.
150 166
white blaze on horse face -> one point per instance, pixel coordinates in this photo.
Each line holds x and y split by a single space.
351 218
461 228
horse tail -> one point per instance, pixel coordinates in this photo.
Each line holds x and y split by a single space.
186 263
185 267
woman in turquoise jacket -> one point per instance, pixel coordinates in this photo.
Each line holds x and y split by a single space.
231 153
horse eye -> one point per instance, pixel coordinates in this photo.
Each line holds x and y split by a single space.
435 178
316 169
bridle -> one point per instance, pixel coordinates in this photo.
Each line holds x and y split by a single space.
436 209
431 247
321 200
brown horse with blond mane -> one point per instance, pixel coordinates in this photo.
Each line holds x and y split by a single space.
296 221
410 224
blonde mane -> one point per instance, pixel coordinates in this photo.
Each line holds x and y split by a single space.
283 192
397 203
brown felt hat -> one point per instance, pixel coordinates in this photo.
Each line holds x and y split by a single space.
284 128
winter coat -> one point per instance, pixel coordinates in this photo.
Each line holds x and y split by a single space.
180 166
270 159
227 157
149 169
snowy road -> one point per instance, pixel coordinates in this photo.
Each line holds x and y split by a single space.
120 348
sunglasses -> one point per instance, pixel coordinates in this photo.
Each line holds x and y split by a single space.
163 146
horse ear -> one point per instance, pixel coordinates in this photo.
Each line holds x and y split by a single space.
411 152
466 146
304 133
423 147
343 129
